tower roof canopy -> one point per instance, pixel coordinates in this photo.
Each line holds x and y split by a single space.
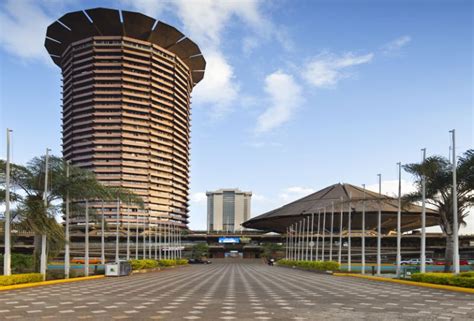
78 25
341 195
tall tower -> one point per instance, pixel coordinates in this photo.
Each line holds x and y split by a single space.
127 82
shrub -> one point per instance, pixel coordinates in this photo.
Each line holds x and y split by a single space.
181 261
143 264
465 279
20 278
166 262
312 265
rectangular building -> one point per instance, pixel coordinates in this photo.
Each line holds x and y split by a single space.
227 209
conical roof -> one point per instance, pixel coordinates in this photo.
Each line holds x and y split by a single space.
342 197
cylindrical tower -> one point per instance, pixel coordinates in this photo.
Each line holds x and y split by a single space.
127 81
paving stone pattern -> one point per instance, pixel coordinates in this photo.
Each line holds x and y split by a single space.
237 290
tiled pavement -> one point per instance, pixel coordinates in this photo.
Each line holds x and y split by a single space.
240 290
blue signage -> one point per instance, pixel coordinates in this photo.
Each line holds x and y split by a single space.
229 240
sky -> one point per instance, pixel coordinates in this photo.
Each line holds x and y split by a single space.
297 95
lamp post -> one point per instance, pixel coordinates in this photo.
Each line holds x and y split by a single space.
43 259
363 231
455 208
379 229
423 218
7 253
399 221
67 259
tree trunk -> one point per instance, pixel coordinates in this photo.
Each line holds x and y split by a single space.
448 256
37 253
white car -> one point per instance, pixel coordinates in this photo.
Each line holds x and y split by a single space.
410 262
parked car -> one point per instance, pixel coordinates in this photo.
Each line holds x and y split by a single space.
461 262
410 262
199 261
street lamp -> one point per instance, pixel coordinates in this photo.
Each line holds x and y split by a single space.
455 208
7 255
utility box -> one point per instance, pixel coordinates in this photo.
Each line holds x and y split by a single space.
121 268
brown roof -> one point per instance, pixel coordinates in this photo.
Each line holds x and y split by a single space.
342 195
75 26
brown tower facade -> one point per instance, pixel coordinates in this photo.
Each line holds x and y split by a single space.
127 82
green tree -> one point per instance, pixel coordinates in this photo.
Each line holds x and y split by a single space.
270 250
200 250
31 211
437 171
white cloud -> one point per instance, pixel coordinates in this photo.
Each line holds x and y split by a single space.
219 87
258 197
325 70
23 28
284 95
293 193
205 21
396 45
199 197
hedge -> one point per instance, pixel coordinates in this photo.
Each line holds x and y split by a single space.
20 278
311 265
150 264
143 264
465 279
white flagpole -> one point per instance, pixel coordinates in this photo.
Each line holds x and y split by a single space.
7 253
128 232
332 231
423 218
86 258
317 235
160 239
324 235
117 237
339 255
67 249
136 237
307 239
144 238
102 236
379 229
399 221
349 235
363 232
156 241
312 232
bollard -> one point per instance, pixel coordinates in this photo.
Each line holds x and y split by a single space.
373 270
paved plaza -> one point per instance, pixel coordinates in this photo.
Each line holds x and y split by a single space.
239 290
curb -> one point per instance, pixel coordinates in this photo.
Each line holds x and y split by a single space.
301 269
51 282
421 284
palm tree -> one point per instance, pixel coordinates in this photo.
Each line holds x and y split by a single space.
80 184
437 171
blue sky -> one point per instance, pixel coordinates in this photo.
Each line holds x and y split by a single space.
297 95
